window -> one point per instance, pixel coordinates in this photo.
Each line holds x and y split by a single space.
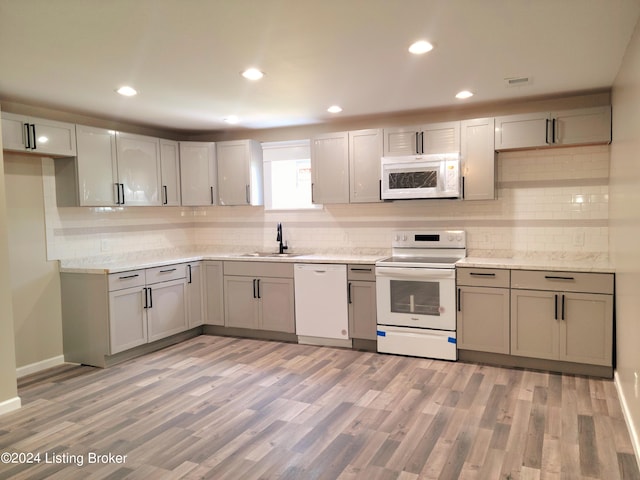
287 175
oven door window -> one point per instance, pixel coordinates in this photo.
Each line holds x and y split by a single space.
415 179
418 298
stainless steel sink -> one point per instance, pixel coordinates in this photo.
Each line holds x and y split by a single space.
270 254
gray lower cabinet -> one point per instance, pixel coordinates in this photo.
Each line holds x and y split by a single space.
213 293
103 315
259 296
362 301
483 310
195 294
562 316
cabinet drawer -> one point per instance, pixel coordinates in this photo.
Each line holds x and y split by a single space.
132 278
366 273
166 273
483 277
259 269
562 281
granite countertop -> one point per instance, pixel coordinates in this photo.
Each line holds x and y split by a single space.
122 263
587 264
140 260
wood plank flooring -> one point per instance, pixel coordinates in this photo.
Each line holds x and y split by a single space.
228 408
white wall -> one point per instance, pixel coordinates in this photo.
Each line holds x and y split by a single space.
625 228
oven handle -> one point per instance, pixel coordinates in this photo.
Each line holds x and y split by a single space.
421 273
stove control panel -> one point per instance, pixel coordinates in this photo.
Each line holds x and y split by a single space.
429 239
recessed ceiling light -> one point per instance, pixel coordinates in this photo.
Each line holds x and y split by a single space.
232 119
464 94
420 47
252 74
127 91
334 109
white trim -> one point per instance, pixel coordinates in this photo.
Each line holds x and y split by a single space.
10 405
39 366
635 439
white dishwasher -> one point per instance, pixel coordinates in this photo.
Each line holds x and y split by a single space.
322 312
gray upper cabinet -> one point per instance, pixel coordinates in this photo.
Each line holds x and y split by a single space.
422 140
365 150
478 159
198 173
138 169
548 129
330 168
170 172
240 173
91 178
39 136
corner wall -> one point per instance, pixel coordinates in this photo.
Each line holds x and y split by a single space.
9 399
624 230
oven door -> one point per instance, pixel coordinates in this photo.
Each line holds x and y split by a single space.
416 297
407 178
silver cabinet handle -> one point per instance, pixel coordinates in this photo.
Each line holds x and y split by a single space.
554 277
248 194
212 196
168 270
128 276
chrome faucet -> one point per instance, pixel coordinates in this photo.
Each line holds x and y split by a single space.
281 247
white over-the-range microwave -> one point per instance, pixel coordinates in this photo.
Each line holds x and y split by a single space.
423 176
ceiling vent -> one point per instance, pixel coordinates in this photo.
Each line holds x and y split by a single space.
517 81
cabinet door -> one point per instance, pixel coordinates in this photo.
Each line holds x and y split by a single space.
241 306
167 309
276 304
127 319
534 324
214 304
330 168
170 172
586 333
440 138
365 151
240 172
401 141
36 135
362 310
139 169
198 173
522 131
478 159
97 166
582 126
483 319
195 297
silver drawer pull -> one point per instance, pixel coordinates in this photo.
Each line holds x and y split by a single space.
360 269
482 274
128 276
169 270
553 277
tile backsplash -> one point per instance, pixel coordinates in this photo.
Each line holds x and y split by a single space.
550 202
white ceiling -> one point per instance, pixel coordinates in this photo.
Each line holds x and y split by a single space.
185 56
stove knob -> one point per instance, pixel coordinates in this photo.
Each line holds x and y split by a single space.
459 238
450 238
404 238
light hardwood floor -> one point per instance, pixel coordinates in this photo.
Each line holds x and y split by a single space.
227 408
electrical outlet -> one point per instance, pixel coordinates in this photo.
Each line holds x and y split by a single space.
578 239
105 245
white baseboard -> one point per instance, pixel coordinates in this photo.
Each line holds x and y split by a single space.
10 405
635 439
39 366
